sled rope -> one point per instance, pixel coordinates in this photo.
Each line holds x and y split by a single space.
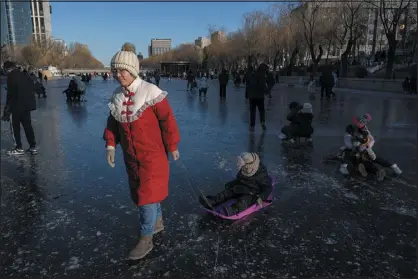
188 180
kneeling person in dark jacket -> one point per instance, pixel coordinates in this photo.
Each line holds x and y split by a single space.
252 184
300 118
71 91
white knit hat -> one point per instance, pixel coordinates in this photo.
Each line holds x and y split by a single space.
307 108
248 163
126 59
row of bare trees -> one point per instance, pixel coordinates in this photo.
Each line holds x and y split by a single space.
52 52
307 33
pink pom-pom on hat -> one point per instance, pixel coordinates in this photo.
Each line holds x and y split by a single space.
362 121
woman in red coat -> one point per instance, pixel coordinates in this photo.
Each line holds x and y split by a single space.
142 122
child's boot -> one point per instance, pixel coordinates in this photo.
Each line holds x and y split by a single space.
362 170
343 169
380 175
396 169
142 248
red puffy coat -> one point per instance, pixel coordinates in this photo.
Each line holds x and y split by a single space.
142 121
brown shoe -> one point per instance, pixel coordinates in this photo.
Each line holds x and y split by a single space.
362 170
381 175
159 226
141 249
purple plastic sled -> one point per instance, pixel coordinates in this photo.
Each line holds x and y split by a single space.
254 208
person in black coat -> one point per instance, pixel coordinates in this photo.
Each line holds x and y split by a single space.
157 78
327 83
300 118
271 81
255 91
190 78
223 82
251 185
20 101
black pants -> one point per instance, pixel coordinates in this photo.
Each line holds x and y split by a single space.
383 162
370 167
244 199
25 119
222 90
157 82
327 90
257 103
203 91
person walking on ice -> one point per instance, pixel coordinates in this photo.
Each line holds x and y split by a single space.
142 122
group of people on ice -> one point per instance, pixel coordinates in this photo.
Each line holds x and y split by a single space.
142 122
357 152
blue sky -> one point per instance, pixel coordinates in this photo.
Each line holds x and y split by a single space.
104 27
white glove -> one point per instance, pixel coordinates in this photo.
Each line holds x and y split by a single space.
110 156
371 154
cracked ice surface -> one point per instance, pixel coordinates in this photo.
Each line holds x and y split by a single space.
66 213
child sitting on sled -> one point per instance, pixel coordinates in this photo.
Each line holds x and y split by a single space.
251 185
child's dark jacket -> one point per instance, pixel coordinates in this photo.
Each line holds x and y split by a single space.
258 185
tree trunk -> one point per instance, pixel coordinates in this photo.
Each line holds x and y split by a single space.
390 56
292 61
328 49
249 61
376 17
275 62
315 59
344 59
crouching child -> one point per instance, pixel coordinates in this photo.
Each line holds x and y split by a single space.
358 153
300 118
251 185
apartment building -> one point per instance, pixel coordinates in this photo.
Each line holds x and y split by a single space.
18 21
218 37
202 42
41 19
159 46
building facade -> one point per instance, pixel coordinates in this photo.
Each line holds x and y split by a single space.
19 24
202 42
4 39
41 19
159 46
218 37
373 38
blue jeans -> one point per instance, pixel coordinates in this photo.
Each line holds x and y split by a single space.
148 215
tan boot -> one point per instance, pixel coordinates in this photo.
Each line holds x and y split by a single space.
141 249
159 226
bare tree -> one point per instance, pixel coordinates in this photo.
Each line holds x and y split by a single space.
330 26
254 35
353 26
309 14
391 12
276 31
294 41
57 54
31 55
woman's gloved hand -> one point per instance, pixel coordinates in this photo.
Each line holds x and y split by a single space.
110 156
